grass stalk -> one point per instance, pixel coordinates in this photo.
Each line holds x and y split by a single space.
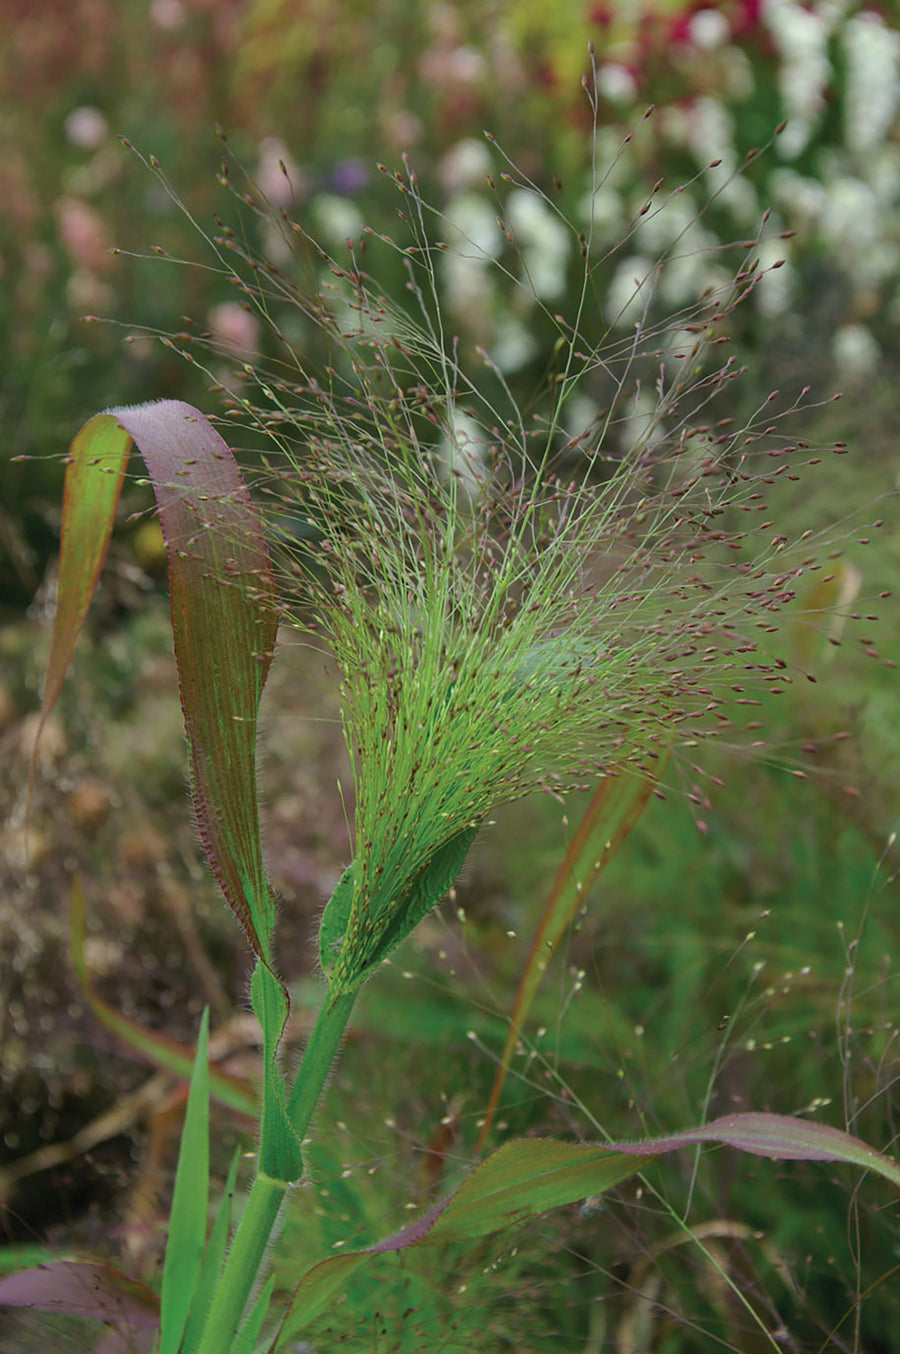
246 1255
242 1266
318 1059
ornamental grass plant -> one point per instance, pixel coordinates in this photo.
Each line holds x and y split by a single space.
575 587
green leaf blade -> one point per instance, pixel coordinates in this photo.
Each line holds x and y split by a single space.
96 465
212 1260
187 1220
245 1341
528 1177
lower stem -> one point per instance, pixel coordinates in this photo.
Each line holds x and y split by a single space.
243 1264
247 1251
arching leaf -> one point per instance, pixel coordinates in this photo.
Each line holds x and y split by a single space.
529 1176
224 615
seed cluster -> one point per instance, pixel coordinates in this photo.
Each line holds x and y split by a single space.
516 605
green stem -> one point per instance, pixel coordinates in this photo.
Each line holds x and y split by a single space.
247 1251
243 1264
318 1058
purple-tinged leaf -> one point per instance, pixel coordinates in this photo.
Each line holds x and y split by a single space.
781 1137
224 615
528 1176
224 620
82 1288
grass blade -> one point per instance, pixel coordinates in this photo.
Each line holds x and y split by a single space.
187 1220
96 465
224 622
249 1332
212 1260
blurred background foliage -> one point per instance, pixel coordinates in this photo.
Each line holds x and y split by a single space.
329 90
674 1011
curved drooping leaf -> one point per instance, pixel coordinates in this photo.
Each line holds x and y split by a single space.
95 469
527 1177
224 615
224 623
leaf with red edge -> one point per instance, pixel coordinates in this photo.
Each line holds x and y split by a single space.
529 1176
224 616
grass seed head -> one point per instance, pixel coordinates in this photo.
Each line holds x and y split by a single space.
524 590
